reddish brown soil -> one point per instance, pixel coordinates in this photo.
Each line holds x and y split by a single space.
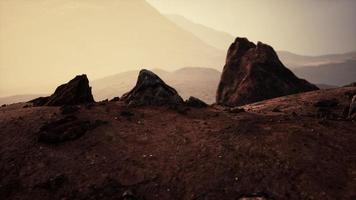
208 153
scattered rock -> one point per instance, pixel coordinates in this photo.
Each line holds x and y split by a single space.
126 113
128 195
151 90
345 111
54 183
276 109
195 102
181 109
326 103
253 198
325 113
65 129
3 105
236 110
115 99
110 189
254 73
353 84
76 91
350 94
257 196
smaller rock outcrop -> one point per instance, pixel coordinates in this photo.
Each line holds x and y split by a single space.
195 103
151 90
76 91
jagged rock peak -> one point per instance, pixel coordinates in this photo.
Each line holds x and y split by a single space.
253 73
150 89
76 91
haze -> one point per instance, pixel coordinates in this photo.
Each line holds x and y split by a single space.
301 26
46 43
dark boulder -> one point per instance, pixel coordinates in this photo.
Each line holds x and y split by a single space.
66 129
151 90
76 91
254 73
195 102
326 103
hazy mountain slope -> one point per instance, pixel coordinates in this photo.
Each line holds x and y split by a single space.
331 74
198 82
223 40
294 61
218 39
44 43
18 98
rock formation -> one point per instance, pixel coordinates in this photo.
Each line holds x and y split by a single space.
151 90
76 91
195 102
253 73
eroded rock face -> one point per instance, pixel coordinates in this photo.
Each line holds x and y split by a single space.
76 91
151 90
253 73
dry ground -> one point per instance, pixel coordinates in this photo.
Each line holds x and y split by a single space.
284 148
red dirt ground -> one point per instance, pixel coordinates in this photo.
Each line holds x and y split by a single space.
278 149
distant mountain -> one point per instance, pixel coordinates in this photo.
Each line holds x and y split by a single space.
53 40
223 40
295 61
217 39
203 82
332 74
18 98
198 82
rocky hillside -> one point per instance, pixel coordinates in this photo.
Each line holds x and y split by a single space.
294 147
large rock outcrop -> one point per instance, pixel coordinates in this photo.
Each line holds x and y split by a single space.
76 91
253 73
151 90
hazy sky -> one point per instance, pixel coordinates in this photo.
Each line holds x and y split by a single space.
309 27
44 43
